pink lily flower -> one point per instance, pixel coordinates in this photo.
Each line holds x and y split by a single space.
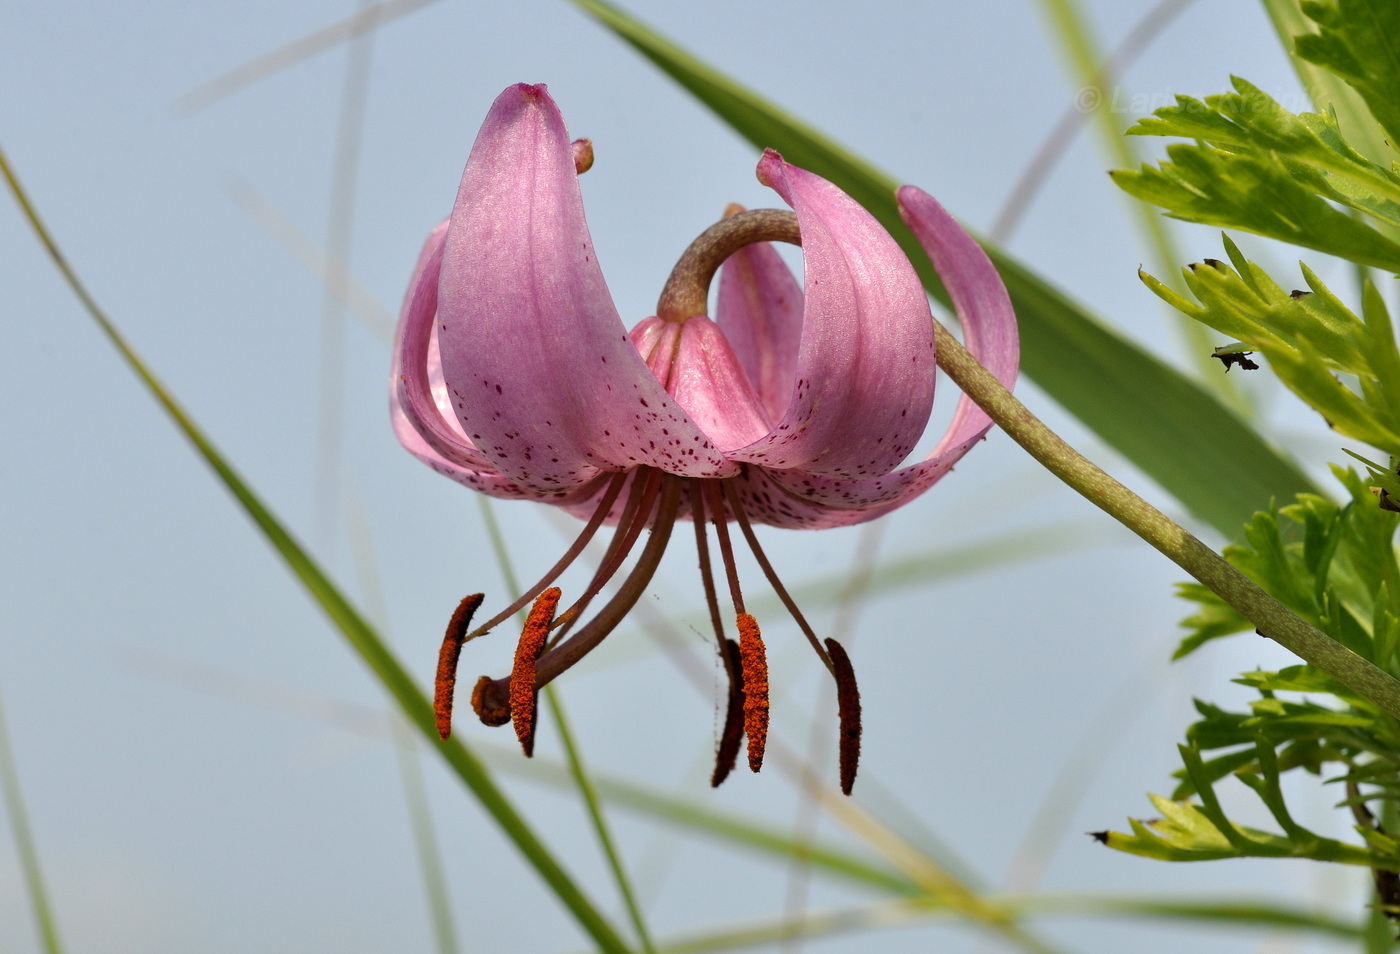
794 406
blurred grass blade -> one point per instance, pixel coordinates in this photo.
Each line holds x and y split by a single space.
713 824
1241 913
355 25
889 914
1094 72
25 845
415 790
420 817
1220 469
584 782
363 639
312 256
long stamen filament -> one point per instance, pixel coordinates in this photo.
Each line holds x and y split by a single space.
732 735
702 550
490 695
600 513
726 551
634 518
736 505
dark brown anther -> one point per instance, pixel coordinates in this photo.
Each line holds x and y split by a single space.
754 665
446 681
848 705
489 713
522 677
728 753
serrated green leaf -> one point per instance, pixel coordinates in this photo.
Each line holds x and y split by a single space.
1258 167
1185 833
1359 41
1329 92
1308 337
1220 469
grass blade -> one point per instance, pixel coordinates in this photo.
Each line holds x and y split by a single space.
1092 71
1219 468
362 637
25 845
357 24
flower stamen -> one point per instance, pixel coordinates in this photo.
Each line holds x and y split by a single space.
736 505
445 683
754 661
600 513
523 691
491 696
848 705
727 754
635 514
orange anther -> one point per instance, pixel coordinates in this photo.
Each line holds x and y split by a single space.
522 677
446 681
755 669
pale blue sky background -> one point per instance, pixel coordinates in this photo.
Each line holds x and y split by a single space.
206 766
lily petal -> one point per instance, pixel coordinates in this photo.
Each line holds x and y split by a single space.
865 366
759 309
989 331
540 371
709 383
426 427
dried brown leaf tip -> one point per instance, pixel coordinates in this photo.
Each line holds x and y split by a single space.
445 684
522 678
754 665
728 752
1234 358
848 705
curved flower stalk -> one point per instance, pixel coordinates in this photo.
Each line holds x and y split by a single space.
794 406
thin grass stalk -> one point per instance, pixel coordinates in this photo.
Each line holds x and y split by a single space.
25 844
419 809
584 783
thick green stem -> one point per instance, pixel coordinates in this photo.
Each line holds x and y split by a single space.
1270 617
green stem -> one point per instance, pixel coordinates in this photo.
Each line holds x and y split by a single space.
1270 617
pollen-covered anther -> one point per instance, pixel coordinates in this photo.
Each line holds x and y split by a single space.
848 705
445 684
728 752
754 665
522 678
